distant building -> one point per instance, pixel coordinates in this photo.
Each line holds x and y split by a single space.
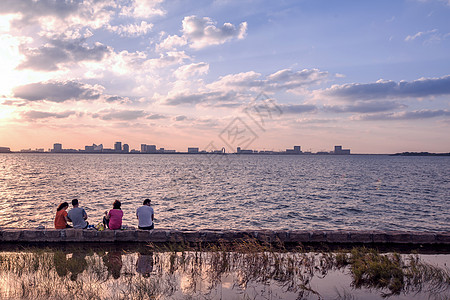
242 151
5 150
296 150
126 148
94 148
192 150
148 148
118 147
57 147
339 151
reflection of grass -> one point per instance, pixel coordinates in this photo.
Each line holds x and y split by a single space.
176 269
379 271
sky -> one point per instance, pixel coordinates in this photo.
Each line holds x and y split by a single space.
372 76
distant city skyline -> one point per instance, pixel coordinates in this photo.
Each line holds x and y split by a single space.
145 148
371 75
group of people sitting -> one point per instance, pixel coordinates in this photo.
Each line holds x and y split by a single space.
112 219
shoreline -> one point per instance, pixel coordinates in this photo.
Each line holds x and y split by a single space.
131 235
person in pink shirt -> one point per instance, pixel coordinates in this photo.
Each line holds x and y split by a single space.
113 218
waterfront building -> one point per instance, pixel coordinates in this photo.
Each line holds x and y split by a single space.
94 148
339 151
126 148
148 148
192 150
296 150
118 147
5 150
57 147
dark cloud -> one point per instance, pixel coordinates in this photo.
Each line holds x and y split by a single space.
365 107
297 108
34 114
156 117
207 97
407 115
124 115
180 118
61 51
56 91
389 89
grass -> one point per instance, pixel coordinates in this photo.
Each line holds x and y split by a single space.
173 271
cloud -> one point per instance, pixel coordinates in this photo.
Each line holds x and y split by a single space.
297 108
406 115
286 79
34 114
172 42
202 32
167 59
60 51
419 34
58 91
187 71
123 115
365 107
131 30
203 97
58 16
180 118
429 36
156 117
423 87
143 9
289 80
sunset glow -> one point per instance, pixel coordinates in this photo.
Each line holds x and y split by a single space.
371 76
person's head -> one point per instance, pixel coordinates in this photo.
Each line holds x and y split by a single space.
75 202
146 202
62 206
116 204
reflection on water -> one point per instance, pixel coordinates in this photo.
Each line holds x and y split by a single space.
362 192
247 272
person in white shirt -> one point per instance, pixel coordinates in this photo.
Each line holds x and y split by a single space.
145 216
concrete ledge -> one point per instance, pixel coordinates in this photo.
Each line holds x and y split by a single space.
12 235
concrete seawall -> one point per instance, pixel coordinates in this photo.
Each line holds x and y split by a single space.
11 235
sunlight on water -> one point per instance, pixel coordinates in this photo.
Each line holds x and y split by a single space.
229 192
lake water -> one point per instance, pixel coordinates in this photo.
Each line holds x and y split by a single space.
232 191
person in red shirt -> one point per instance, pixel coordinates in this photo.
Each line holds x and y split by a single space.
113 218
61 218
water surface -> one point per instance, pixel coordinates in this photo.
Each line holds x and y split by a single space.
233 191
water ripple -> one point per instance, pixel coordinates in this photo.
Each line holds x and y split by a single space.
240 192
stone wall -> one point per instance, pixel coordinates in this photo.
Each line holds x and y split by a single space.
211 236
